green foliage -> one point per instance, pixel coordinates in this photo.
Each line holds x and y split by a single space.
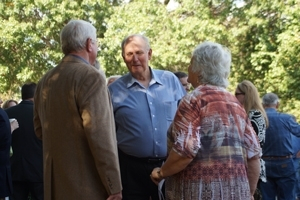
30 36
173 34
266 48
126 21
263 36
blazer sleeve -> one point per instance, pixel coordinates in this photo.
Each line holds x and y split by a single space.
97 114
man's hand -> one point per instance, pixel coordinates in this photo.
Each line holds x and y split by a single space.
155 176
117 196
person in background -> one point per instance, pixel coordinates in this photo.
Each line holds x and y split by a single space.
183 80
9 103
27 158
6 128
111 79
213 149
278 152
144 102
74 118
248 96
5 141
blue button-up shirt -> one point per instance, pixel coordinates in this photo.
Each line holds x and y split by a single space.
296 145
143 115
279 134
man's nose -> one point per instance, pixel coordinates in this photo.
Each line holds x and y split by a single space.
135 57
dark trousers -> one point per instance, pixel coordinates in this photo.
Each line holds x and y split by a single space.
281 180
297 164
22 189
136 181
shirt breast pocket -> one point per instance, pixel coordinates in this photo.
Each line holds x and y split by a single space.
170 108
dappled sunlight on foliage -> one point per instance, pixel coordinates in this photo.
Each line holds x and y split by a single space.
263 36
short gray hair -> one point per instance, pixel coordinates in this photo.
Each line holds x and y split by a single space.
212 61
129 38
74 35
270 99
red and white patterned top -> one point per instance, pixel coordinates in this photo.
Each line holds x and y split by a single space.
211 127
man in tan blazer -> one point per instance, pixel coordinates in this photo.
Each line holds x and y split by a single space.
73 116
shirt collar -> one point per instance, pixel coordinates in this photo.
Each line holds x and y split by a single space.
84 60
154 79
270 109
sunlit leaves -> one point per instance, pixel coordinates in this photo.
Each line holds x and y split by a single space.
30 36
263 36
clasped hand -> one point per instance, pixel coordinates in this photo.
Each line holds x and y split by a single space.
155 175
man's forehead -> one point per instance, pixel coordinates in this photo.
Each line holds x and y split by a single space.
135 40
135 45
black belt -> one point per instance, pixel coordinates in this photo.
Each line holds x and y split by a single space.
276 157
145 160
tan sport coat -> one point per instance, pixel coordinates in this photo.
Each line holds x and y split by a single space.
74 118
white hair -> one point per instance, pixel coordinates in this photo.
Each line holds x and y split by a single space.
129 38
212 61
112 79
270 99
74 35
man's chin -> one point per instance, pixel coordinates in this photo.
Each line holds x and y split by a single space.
136 70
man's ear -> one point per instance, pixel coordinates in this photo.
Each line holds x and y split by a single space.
149 54
277 105
88 45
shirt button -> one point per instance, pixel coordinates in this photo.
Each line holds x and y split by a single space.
153 115
151 103
155 128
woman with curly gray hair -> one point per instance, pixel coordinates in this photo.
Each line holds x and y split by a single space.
213 150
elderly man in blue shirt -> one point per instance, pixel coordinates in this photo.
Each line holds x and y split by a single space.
278 152
144 102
